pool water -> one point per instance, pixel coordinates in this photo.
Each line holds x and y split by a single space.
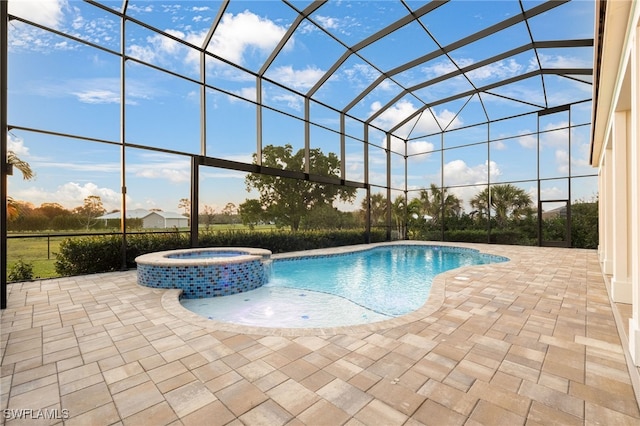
270 306
205 254
343 289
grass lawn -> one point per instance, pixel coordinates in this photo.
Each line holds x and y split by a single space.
40 251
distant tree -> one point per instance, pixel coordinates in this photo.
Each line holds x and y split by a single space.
287 200
507 201
378 204
439 204
416 223
399 214
584 223
185 204
52 210
207 215
480 204
229 211
324 216
251 213
89 211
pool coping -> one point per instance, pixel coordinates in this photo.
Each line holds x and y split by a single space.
160 258
170 300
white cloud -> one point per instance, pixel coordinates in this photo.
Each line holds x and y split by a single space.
245 32
297 79
580 154
139 8
528 141
457 172
327 22
104 167
413 148
393 115
552 193
440 68
96 90
61 15
167 44
16 145
403 109
159 172
341 25
560 61
161 166
46 12
419 147
497 70
98 97
562 161
70 195
248 93
159 47
290 100
556 135
498 145
359 76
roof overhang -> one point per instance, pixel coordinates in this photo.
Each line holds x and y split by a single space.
612 33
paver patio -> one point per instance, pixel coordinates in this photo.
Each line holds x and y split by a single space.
530 341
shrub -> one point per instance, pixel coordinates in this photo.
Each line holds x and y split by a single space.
21 271
285 241
584 226
87 255
466 236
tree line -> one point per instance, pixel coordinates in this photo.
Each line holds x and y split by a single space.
299 204
25 216
302 204
294 203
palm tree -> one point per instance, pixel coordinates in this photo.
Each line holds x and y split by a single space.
27 174
24 167
439 204
378 208
507 201
399 213
481 204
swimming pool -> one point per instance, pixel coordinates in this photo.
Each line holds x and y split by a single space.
341 289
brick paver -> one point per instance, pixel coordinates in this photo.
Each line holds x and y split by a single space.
530 341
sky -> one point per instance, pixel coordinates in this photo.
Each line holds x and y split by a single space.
58 85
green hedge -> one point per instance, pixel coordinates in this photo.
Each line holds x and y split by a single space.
88 255
498 236
284 241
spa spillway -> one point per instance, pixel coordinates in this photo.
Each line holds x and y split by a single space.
205 272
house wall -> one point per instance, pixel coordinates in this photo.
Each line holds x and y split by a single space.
153 221
616 152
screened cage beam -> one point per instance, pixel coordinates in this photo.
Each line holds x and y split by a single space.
4 165
480 64
315 5
584 71
214 24
373 38
123 139
544 7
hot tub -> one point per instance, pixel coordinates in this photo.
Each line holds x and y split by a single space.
205 272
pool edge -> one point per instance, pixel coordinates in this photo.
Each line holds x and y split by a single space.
171 301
